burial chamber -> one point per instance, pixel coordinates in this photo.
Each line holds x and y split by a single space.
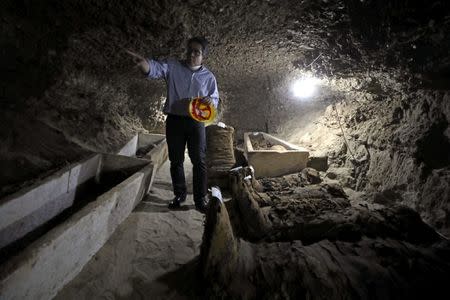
362 86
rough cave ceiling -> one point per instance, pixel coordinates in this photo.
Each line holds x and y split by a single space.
52 45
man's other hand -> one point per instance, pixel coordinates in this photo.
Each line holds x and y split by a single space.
140 62
206 100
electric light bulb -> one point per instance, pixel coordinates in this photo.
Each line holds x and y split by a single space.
305 87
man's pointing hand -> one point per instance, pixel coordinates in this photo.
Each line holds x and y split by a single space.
140 62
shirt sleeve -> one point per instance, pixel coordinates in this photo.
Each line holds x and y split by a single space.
158 69
213 91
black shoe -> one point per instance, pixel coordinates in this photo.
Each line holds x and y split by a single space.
201 205
176 202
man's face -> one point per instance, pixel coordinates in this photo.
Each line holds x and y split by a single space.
194 54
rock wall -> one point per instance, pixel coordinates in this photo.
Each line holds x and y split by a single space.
396 147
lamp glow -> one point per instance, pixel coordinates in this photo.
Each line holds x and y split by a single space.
304 87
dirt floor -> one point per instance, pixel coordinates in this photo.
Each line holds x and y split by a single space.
146 247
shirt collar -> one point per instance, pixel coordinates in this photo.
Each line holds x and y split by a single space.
187 66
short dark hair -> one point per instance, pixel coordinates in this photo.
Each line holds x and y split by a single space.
202 41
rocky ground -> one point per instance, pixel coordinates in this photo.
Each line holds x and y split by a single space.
297 240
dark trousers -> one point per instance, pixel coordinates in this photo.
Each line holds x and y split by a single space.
179 132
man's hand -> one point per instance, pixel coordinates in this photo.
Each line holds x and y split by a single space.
140 62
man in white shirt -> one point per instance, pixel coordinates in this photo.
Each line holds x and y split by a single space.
185 80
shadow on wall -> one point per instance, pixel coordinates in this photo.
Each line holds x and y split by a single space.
433 149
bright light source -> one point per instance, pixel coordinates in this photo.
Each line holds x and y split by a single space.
305 87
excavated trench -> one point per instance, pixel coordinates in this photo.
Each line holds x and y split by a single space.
364 220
